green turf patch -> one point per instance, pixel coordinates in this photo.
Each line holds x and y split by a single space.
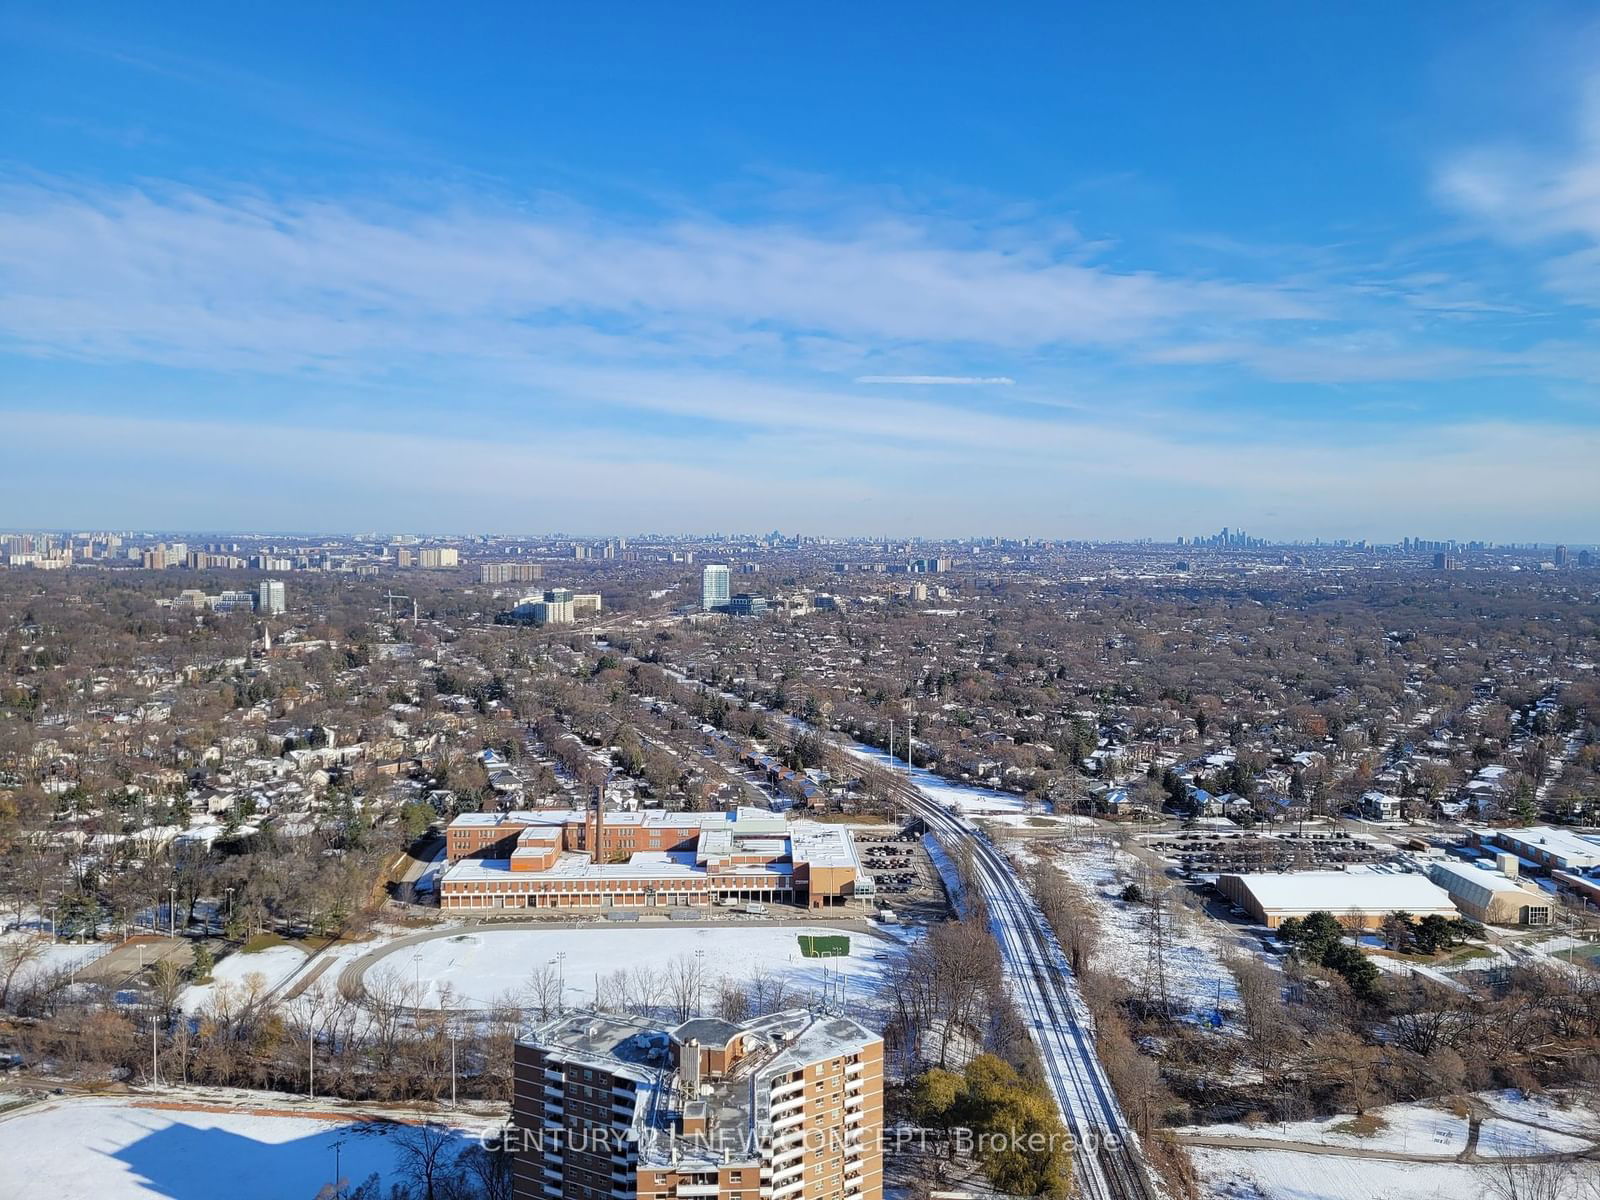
263 941
824 945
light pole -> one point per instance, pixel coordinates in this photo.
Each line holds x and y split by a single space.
453 1037
172 911
311 1065
561 981
338 1188
230 906
699 981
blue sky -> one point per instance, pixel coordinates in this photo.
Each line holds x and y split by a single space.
933 268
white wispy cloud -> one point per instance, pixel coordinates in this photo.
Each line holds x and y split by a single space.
1527 197
244 279
940 380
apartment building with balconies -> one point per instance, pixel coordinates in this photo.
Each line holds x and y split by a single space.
782 1107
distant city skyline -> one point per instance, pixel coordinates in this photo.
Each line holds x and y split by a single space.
1098 274
562 541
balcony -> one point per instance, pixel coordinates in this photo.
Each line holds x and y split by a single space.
789 1121
798 1100
792 1156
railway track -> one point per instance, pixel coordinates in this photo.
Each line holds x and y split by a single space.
1107 1162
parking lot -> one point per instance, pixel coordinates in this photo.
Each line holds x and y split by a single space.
902 872
1210 853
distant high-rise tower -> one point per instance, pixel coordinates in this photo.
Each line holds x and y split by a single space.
714 590
1561 556
270 597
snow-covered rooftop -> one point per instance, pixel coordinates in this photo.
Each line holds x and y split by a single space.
1345 891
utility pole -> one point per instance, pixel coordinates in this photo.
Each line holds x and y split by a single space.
155 1066
911 781
311 1065
453 1036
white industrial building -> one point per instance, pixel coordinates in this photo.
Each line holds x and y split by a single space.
1356 898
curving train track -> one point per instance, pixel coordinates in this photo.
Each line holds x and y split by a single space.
1108 1162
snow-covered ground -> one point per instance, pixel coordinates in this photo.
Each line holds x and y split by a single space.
51 956
1286 1175
1526 1126
1017 820
1564 1113
272 965
1405 1128
482 966
117 1149
974 801
1508 1139
1195 975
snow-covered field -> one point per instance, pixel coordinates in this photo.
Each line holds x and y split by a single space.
484 965
1564 1113
1526 1126
1406 1129
974 801
51 956
1286 1175
1017 820
272 965
114 1149
1507 1139
1195 974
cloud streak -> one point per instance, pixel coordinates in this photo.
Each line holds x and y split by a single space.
1550 199
941 380
663 365
180 277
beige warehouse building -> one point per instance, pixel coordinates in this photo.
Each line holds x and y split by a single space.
1490 896
1357 898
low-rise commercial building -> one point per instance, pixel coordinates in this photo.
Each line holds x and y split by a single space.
1359 899
1546 846
1490 896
